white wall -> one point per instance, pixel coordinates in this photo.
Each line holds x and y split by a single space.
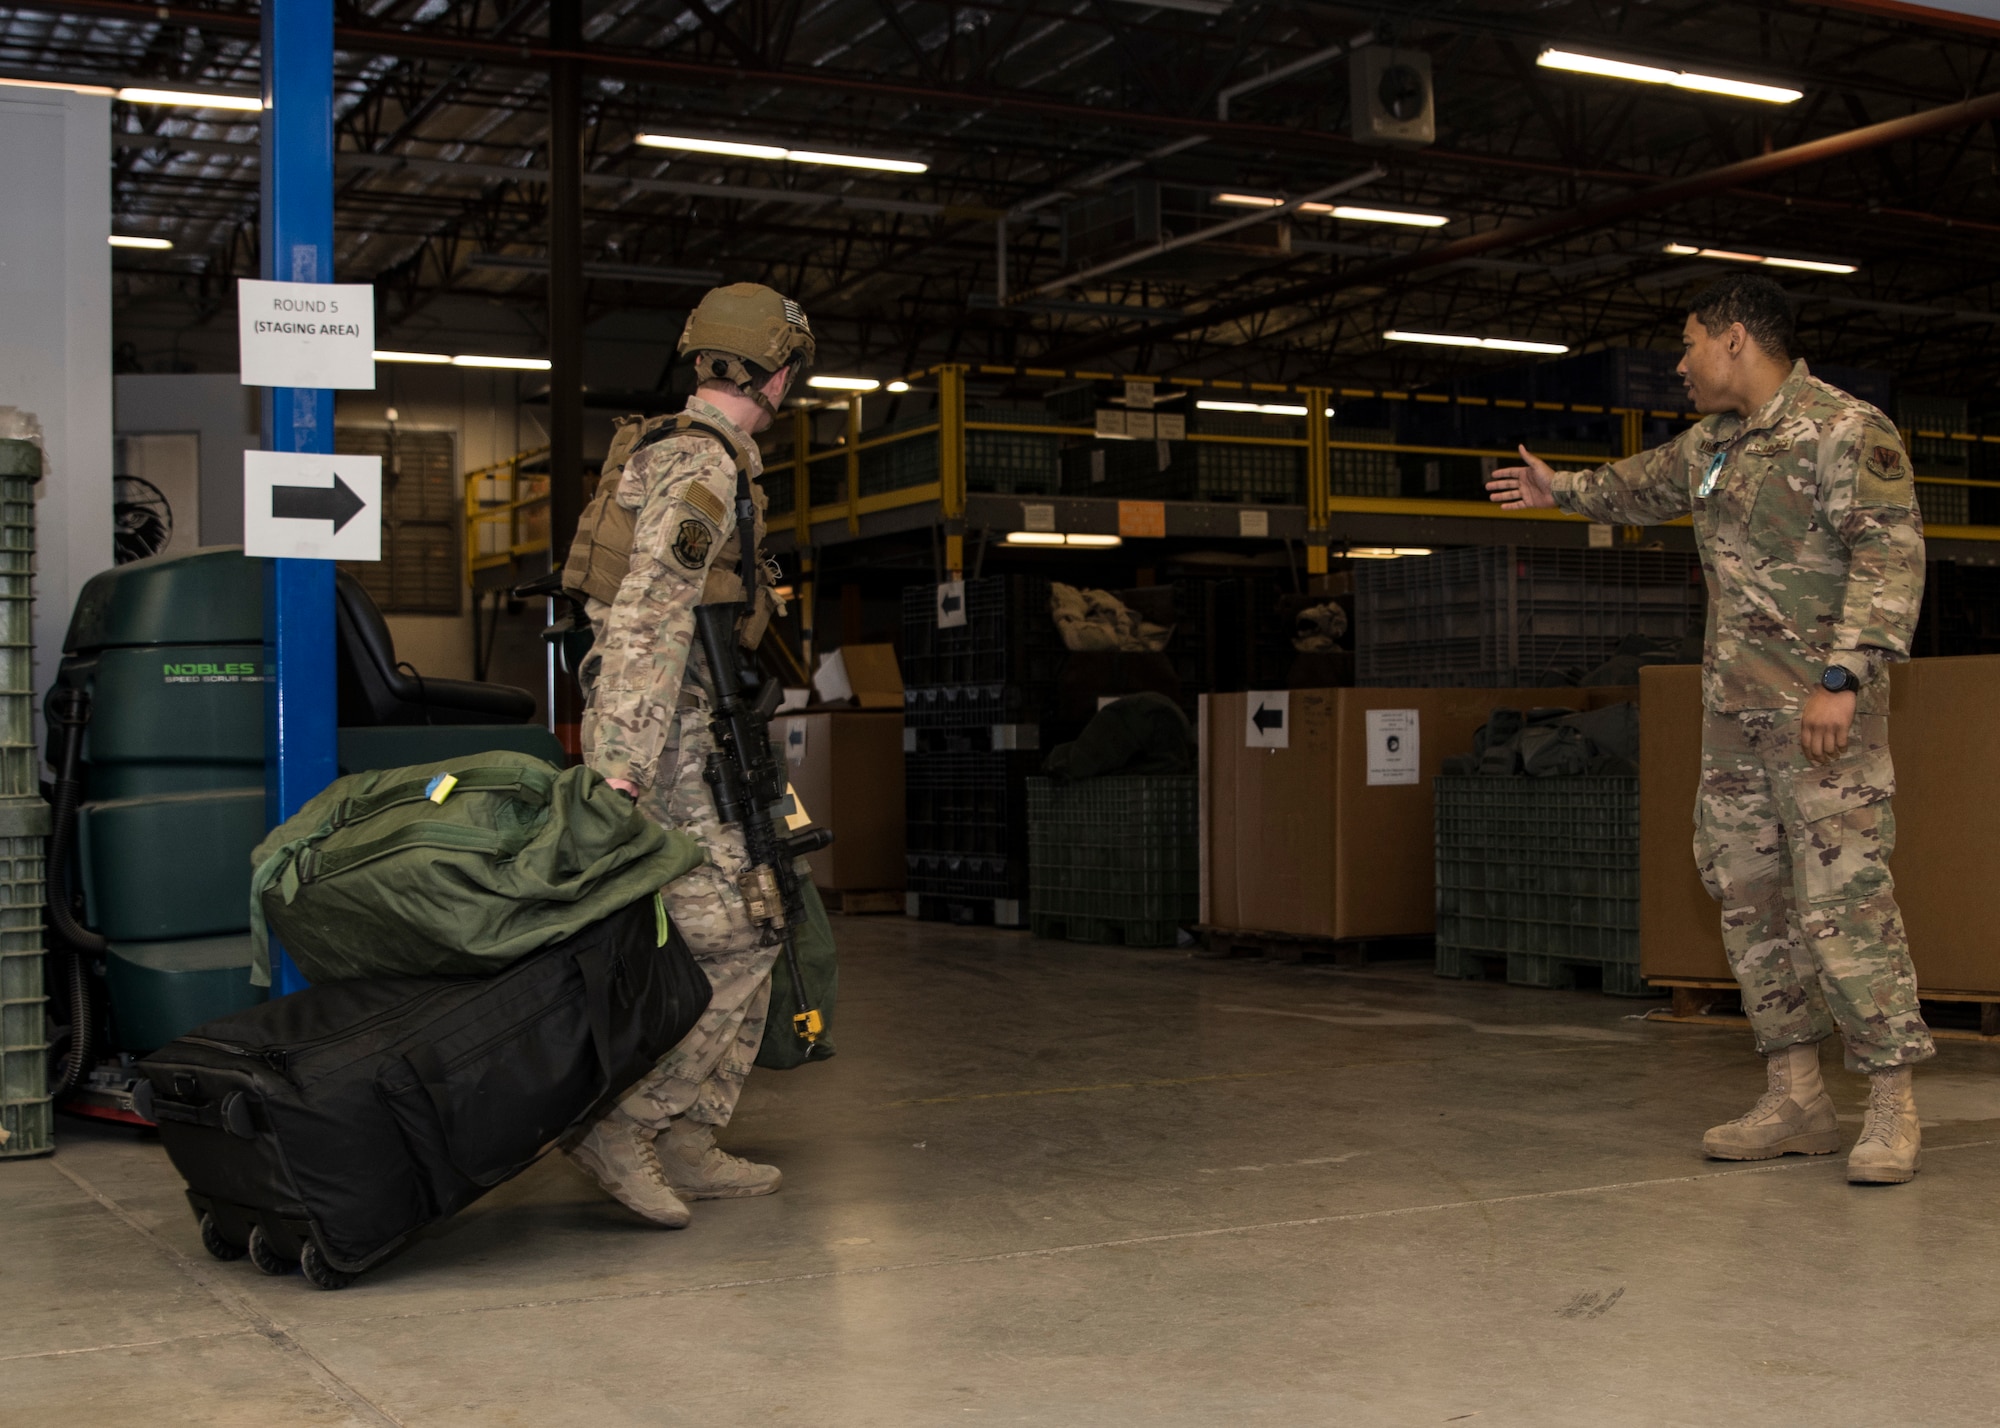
55 333
219 409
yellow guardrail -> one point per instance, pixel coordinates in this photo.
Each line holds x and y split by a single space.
506 513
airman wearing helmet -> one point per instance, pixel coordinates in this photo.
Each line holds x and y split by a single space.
663 535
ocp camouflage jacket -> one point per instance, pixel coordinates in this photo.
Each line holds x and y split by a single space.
1805 515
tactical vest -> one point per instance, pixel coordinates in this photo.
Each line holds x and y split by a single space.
602 551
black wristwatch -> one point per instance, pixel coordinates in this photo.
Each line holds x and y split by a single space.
1840 679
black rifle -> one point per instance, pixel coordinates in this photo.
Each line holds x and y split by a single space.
748 781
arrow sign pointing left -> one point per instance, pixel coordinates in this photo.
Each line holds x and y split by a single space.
1264 721
337 503
307 506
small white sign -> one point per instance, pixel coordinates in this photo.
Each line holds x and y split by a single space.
795 741
301 505
1170 426
1140 395
1600 536
951 603
830 680
1394 755
1267 719
1037 516
1139 425
1110 422
1253 525
306 334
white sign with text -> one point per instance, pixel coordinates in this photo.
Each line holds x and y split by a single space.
306 334
1394 755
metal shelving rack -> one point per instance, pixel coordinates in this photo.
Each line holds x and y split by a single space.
947 503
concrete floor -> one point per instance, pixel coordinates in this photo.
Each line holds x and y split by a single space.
1056 1184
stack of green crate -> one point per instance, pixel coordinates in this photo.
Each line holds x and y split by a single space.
1364 473
1115 859
1542 873
1253 473
1009 462
24 822
1937 456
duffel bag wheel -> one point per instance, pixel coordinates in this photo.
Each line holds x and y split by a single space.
264 1257
319 1274
214 1243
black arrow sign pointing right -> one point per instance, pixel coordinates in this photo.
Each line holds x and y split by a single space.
1268 719
336 503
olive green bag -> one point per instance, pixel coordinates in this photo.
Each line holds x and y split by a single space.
782 1048
458 867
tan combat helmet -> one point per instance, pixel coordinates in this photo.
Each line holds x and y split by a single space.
744 333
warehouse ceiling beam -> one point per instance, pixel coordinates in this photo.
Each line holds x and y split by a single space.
1728 176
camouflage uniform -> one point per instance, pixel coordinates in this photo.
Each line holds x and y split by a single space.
646 719
1806 518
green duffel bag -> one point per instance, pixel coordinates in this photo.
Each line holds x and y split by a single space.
457 867
782 1048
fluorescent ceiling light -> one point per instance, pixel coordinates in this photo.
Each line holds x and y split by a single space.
99 89
1810 265
126 240
511 364
844 384
1491 344
896 386
1653 74
1339 210
192 100
1385 552
1052 538
1390 215
733 149
1266 408
434 358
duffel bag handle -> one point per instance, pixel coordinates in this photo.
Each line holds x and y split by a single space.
534 786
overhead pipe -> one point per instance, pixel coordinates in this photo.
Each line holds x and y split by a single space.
1286 71
1664 195
1209 234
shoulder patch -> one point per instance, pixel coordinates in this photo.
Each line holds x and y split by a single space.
705 501
693 540
1884 478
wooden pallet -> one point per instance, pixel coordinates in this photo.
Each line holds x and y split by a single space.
1695 1003
1222 942
850 902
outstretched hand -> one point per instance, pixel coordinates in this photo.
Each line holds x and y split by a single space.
1517 488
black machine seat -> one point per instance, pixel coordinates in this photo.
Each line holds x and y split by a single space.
375 690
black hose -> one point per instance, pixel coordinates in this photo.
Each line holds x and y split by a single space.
70 709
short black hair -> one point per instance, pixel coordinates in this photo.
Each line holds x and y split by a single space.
1765 310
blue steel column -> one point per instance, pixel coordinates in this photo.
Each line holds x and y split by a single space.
297 246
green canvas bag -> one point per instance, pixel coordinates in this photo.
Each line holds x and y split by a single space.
782 1049
457 867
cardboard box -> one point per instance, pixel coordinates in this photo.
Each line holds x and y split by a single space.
1299 840
867 674
1947 824
847 769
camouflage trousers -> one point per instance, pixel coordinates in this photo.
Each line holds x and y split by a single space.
1798 856
702 1076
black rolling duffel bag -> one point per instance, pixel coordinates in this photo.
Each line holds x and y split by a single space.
323 1129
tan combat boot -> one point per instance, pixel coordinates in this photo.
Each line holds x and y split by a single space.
619 1155
699 1171
1794 1116
1891 1144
